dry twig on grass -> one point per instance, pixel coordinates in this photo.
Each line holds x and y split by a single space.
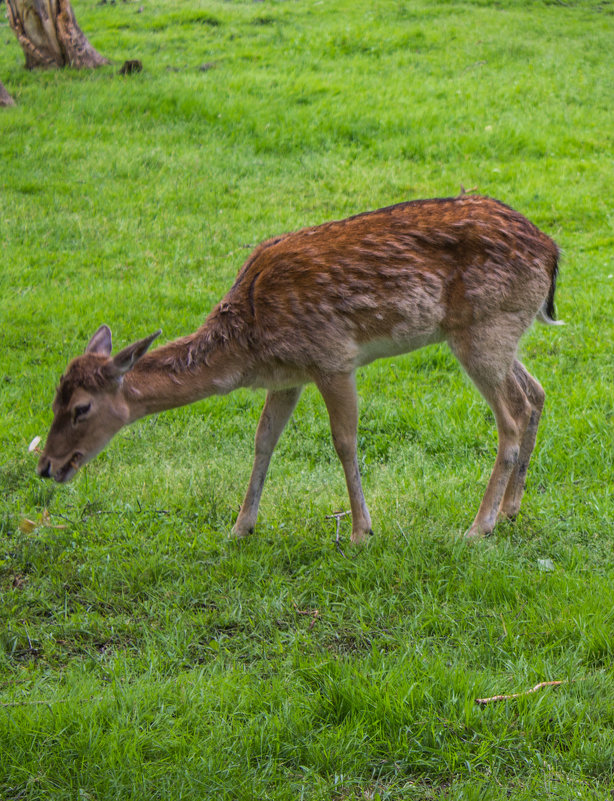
51 702
313 613
10 704
495 698
338 516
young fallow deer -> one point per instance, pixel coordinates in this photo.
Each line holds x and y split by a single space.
315 305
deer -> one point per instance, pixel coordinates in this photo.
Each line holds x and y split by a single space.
315 305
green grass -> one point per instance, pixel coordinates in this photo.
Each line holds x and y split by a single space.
143 654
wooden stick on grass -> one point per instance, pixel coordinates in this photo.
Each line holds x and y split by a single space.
338 516
313 613
495 698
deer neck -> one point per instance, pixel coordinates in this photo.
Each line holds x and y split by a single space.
180 373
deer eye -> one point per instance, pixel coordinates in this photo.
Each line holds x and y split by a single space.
80 412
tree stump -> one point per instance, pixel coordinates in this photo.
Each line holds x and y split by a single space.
49 35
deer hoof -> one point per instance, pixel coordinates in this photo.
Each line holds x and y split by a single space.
240 532
358 537
474 534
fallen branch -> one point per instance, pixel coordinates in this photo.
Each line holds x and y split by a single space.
51 702
313 613
338 516
6 704
495 698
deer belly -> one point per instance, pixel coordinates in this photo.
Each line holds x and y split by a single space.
385 348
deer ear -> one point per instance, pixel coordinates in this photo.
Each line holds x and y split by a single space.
128 357
101 343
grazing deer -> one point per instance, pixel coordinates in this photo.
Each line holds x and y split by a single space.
315 305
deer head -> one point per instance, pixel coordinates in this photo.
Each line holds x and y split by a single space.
89 406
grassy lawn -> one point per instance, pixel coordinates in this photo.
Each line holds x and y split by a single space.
145 655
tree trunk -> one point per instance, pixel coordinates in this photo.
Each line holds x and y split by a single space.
49 35
5 98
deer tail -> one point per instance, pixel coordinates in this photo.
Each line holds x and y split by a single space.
547 313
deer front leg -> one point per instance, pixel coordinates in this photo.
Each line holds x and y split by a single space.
278 409
339 393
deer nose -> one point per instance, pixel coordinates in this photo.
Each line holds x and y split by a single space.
44 468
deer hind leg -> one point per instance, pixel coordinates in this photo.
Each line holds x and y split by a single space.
488 357
535 396
277 410
339 393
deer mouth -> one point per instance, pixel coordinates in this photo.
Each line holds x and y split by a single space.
67 471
